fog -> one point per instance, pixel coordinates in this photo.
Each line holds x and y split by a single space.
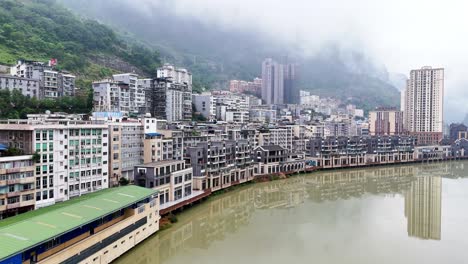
402 35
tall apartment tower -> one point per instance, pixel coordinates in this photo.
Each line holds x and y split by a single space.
422 104
273 82
291 90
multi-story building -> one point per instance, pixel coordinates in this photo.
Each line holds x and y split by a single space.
66 84
272 82
95 229
457 131
172 179
205 104
291 90
111 96
72 155
136 91
385 122
422 104
52 83
17 184
220 164
180 80
262 115
27 87
157 148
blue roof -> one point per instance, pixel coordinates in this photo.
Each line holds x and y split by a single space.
154 134
3 147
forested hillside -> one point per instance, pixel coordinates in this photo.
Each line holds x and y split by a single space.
43 29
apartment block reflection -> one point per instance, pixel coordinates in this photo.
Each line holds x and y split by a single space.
423 206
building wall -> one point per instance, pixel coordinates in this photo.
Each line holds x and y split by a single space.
386 122
17 185
27 87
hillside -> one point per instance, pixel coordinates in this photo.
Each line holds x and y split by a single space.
43 29
216 54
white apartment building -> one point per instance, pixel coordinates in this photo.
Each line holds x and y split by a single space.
27 87
72 155
423 104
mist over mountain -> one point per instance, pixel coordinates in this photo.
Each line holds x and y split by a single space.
216 53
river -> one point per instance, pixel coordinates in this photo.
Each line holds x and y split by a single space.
396 214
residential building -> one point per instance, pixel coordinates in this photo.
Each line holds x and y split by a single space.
136 90
457 131
385 122
272 82
111 96
171 178
205 104
66 84
52 83
73 154
27 87
180 80
291 89
17 184
422 104
96 229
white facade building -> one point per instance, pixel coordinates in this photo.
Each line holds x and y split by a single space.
72 155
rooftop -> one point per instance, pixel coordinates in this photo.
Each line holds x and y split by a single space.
161 163
24 231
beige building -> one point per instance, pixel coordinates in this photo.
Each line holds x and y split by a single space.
423 105
385 122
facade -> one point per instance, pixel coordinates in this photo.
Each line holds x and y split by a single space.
272 82
17 185
220 164
111 96
291 90
422 104
172 179
136 91
180 80
73 155
457 131
385 122
205 104
27 87
96 229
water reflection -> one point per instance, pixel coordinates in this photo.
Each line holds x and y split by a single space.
202 226
423 202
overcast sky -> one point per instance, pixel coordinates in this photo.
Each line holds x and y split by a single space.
401 34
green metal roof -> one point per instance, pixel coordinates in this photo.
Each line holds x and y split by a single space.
52 221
